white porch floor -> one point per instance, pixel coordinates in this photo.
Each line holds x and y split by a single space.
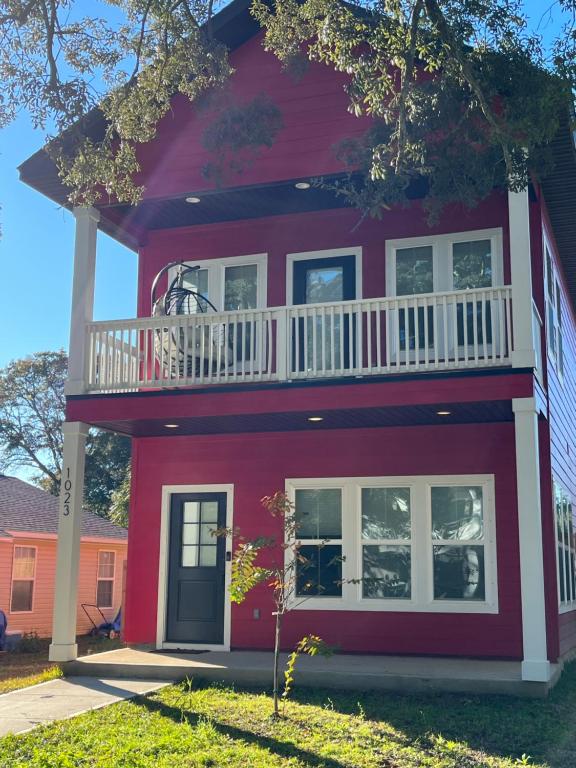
346 671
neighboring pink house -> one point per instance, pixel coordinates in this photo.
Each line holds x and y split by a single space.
28 534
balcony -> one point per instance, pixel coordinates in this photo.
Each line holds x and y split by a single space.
448 331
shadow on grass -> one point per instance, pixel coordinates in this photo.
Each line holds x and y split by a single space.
501 726
281 748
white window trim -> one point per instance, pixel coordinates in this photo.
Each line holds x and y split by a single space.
216 269
105 578
331 253
556 286
564 606
422 600
442 256
12 580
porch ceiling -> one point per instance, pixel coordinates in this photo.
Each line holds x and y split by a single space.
351 418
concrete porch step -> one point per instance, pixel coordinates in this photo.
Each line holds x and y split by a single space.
344 671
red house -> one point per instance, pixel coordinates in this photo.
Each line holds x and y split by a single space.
412 388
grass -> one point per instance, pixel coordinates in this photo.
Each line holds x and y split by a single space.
18 670
195 726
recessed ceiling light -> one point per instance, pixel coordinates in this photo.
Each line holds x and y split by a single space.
315 418
171 426
192 199
302 185
443 413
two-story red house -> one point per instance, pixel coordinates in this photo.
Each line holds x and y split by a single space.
412 388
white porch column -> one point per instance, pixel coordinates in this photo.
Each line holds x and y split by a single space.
523 355
535 665
82 295
63 646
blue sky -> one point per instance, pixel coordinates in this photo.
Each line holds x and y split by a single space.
36 248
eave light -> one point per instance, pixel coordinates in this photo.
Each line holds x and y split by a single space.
302 185
315 419
192 199
171 426
443 413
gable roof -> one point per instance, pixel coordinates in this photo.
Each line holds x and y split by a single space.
23 507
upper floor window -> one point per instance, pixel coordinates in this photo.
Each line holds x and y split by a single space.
554 332
403 543
23 576
566 548
455 262
231 284
105 581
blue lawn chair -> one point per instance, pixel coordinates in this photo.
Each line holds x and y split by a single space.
3 627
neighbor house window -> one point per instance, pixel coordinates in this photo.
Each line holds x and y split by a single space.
553 293
398 544
23 574
105 584
566 549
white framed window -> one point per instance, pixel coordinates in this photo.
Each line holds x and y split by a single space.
553 296
565 548
23 578
450 262
105 579
232 284
409 543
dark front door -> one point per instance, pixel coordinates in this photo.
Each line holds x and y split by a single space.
196 570
317 281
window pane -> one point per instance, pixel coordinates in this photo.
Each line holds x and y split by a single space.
319 571
24 558
197 281
386 513
22 596
386 572
190 533
324 284
319 513
414 271
189 556
457 513
106 565
208 555
551 330
206 535
472 264
240 287
549 278
458 573
209 511
104 594
191 512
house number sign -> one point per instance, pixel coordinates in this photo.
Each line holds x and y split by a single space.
67 492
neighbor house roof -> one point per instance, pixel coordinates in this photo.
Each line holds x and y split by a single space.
25 508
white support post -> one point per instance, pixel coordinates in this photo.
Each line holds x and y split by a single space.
82 295
535 665
63 646
523 355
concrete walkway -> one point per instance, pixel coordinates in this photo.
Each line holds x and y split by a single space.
60 699
346 671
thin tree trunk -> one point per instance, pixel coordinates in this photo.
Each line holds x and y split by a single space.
277 660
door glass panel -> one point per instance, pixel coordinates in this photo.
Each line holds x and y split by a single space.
208 555
414 271
189 534
472 265
189 557
209 511
324 284
319 513
191 511
240 287
386 572
386 513
197 282
457 513
199 545
206 536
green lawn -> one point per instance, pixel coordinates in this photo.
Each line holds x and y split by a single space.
180 727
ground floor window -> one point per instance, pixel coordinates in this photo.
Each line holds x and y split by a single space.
23 575
404 543
105 582
565 547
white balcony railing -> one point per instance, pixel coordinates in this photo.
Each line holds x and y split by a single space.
426 332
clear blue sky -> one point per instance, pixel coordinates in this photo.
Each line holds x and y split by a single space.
36 248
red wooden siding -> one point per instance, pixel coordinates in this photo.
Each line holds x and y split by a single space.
258 465
40 619
315 117
280 235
